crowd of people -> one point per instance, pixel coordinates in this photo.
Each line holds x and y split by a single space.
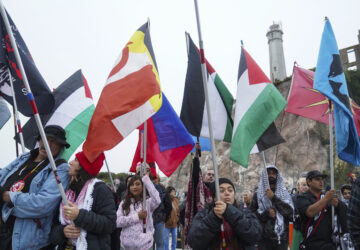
142 213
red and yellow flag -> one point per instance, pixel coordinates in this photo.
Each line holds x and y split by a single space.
305 101
132 94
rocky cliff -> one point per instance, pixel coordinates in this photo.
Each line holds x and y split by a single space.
306 148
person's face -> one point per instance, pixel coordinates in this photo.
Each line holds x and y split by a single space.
347 194
227 193
272 175
247 197
303 187
74 167
172 194
316 183
136 188
55 147
209 177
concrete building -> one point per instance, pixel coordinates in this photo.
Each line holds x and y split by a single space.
350 56
276 52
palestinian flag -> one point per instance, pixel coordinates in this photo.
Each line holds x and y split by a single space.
258 103
72 111
193 111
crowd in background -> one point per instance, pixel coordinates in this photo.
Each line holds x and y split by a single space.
141 213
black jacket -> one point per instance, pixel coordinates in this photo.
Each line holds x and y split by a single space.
163 211
99 222
268 223
205 231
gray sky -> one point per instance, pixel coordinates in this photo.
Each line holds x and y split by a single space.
66 35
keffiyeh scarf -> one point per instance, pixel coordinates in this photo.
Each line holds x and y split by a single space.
85 201
280 192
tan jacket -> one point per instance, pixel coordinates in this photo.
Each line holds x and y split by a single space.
175 213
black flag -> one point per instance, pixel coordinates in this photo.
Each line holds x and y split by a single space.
43 97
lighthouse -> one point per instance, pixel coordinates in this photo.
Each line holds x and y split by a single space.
276 52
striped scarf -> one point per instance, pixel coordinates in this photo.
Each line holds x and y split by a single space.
265 203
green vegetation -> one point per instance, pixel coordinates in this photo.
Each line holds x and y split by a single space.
353 82
104 176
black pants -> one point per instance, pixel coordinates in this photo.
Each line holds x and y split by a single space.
266 244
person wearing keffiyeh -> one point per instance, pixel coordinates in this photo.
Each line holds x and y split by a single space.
88 220
274 207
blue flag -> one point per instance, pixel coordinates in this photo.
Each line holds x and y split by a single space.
43 96
330 81
204 143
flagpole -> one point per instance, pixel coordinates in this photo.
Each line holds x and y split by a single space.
332 182
144 171
16 144
17 117
266 175
32 102
207 102
111 179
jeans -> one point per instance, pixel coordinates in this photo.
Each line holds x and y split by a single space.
159 235
173 232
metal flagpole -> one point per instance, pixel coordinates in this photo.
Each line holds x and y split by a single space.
266 175
16 144
17 117
111 179
207 102
331 158
32 102
144 171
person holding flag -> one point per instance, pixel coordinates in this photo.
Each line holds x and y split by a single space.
241 227
131 213
29 194
90 217
274 207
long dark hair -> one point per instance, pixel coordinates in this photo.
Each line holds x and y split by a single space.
81 178
127 198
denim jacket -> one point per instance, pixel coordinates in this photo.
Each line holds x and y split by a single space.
33 210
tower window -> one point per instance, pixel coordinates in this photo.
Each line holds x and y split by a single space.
351 55
274 68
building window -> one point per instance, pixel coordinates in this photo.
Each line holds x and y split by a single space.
351 56
274 68
352 68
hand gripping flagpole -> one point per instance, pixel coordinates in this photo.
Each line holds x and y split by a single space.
331 158
32 102
207 102
17 117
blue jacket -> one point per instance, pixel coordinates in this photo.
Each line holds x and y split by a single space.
39 203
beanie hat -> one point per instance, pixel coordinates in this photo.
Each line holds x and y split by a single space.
221 181
92 168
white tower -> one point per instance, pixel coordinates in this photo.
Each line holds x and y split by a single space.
276 51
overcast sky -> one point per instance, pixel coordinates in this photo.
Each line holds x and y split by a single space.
66 35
